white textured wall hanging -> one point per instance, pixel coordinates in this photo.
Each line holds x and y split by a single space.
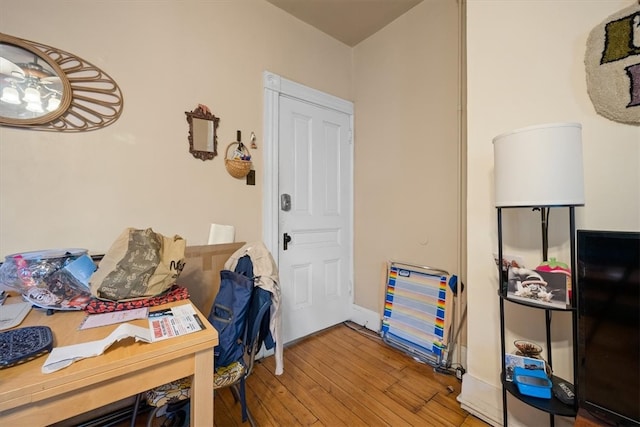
612 63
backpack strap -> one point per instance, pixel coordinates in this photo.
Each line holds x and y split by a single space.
258 318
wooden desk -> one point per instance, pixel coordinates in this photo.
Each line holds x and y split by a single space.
30 398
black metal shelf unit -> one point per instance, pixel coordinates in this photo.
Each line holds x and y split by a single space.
551 406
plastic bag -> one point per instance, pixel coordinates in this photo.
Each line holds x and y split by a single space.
55 278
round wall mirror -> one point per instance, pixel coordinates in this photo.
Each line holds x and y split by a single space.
45 88
32 90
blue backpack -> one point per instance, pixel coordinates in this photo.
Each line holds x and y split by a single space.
228 316
240 314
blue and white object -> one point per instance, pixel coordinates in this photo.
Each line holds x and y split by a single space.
532 382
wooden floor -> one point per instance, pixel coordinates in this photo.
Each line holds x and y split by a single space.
342 377
345 377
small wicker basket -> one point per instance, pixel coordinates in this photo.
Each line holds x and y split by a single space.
237 168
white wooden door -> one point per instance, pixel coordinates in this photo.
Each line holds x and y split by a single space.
315 173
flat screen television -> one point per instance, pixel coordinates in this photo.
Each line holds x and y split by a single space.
608 281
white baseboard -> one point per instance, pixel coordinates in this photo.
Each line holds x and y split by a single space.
485 402
481 399
365 317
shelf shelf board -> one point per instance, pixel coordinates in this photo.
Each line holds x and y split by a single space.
550 406
534 305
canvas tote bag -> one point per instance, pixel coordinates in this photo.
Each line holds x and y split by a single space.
139 264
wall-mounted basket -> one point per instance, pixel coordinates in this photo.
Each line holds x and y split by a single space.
239 164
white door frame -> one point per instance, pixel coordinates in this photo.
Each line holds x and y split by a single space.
274 86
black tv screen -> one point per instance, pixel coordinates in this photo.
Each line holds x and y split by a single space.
608 282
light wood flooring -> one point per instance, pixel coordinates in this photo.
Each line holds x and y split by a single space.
345 377
342 377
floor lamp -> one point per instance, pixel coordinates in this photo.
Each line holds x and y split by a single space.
540 167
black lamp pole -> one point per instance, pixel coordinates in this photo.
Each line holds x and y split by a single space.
544 219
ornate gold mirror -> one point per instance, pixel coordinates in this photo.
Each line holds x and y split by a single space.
44 88
203 141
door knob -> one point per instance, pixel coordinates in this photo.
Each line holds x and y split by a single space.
285 240
285 202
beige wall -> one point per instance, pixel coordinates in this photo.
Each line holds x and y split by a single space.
81 190
406 182
525 66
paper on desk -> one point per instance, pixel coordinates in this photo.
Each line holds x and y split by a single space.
173 322
13 314
104 319
61 357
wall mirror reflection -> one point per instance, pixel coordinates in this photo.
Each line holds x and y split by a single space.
44 88
30 87
203 141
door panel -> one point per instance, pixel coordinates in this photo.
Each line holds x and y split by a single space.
315 170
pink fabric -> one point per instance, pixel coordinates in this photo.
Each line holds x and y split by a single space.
175 293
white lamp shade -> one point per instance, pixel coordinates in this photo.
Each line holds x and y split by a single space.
539 166
31 95
34 107
10 95
53 104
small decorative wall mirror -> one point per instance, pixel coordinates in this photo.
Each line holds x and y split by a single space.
44 88
203 141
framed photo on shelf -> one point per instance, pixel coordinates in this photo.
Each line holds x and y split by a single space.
538 287
513 360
